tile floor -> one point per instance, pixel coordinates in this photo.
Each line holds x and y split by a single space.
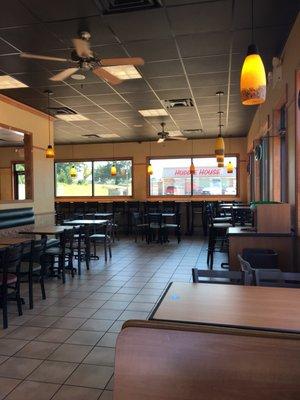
64 348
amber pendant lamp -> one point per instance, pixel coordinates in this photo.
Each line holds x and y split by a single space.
149 166
113 168
49 151
253 76
73 170
192 166
219 144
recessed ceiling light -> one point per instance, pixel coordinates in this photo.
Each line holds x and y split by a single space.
138 126
108 135
8 82
72 117
78 77
124 72
154 112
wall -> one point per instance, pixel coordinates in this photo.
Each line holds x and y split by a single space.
283 93
140 151
19 116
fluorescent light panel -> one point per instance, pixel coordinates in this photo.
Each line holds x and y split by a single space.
154 112
175 133
72 117
108 135
8 82
124 72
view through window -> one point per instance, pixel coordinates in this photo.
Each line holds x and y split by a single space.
19 181
93 178
171 176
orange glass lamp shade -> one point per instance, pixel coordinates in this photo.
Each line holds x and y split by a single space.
253 78
221 164
73 172
220 159
149 169
50 152
192 168
219 146
113 170
229 167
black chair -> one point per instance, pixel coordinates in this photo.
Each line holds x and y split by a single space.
197 210
104 238
33 265
175 226
212 276
63 254
82 246
156 228
152 207
10 279
132 206
139 226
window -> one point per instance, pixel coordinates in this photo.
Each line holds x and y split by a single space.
93 178
19 181
171 176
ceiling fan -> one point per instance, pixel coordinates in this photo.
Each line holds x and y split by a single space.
85 59
163 135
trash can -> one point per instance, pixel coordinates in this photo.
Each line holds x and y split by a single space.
261 258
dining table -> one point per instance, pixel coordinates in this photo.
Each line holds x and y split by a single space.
235 306
45 230
10 241
76 222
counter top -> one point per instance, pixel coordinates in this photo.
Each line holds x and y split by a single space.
249 231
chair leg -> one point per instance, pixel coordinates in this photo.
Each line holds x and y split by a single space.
4 308
19 304
62 268
30 288
43 287
109 250
105 251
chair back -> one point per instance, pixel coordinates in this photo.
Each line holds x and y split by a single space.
13 258
67 240
169 206
137 218
215 276
248 271
269 277
154 218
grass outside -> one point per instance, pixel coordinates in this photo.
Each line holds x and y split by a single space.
86 190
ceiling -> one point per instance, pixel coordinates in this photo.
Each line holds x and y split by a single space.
191 49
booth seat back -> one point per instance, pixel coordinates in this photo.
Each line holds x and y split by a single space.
16 217
164 361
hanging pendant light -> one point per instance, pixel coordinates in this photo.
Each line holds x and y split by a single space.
253 76
219 144
149 166
49 151
113 169
73 172
192 166
229 168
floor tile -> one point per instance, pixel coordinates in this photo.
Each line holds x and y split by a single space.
101 356
136 306
106 395
68 323
77 393
107 314
108 340
55 335
7 385
133 315
40 350
18 368
33 391
8 347
96 325
117 326
85 337
115 305
52 371
43 321
26 332
93 376
70 353
80 312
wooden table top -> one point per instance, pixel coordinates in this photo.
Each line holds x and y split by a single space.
14 240
251 307
86 222
46 230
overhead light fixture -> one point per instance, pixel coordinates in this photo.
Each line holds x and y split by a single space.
73 171
219 144
124 72
149 166
159 112
113 168
108 135
72 117
78 77
175 133
49 151
229 167
8 82
253 76
192 166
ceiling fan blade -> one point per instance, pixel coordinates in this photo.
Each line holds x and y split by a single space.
40 57
107 76
61 76
82 48
161 140
177 137
122 61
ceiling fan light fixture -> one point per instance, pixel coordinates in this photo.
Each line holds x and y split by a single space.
78 77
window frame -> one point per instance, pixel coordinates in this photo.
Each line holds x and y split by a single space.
15 175
92 160
198 196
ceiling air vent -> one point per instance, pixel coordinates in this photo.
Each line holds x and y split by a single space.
62 110
178 103
120 6
192 131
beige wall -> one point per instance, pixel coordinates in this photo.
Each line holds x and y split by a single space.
283 93
25 118
140 151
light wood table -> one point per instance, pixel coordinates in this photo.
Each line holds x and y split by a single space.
86 222
251 307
